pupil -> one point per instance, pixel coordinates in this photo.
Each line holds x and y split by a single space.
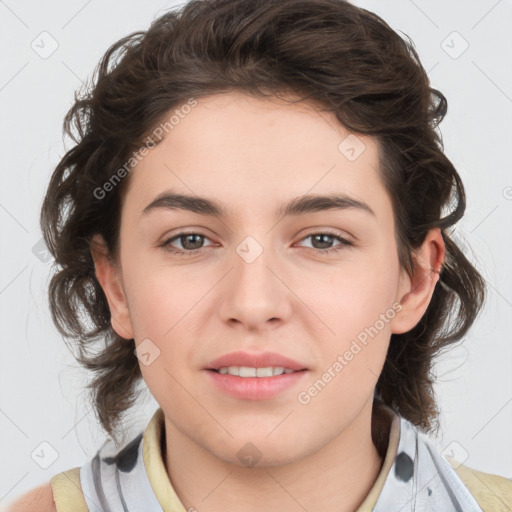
187 237
320 237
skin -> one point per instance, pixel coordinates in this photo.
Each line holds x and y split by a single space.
253 155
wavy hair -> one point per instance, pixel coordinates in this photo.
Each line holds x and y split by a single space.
340 57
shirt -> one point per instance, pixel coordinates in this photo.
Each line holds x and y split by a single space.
414 477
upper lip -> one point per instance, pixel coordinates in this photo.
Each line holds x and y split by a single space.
254 360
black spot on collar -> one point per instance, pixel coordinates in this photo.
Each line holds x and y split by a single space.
127 457
404 467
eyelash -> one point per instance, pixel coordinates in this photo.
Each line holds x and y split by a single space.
344 243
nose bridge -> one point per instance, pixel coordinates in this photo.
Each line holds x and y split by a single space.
252 262
255 294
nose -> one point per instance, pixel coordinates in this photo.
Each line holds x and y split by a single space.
254 293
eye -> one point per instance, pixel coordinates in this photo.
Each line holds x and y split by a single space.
323 239
190 242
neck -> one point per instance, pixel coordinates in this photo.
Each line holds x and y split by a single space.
336 477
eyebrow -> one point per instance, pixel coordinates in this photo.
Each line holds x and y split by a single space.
298 206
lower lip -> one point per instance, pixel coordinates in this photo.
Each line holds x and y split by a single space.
255 388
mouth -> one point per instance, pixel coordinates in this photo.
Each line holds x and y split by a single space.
259 372
254 364
255 375
255 383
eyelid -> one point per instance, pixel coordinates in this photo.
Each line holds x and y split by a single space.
344 242
329 231
314 231
172 238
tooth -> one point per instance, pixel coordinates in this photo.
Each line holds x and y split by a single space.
245 371
264 372
233 370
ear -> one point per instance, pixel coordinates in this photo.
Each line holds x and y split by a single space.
415 292
109 277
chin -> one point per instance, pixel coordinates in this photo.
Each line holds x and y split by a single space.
250 456
260 450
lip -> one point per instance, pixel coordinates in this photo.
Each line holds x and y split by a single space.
254 388
255 360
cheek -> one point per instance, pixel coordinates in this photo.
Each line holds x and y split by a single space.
162 298
165 308
353 296
357 305
351 355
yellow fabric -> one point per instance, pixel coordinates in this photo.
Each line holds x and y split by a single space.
394 433
67 491
492 492
155 468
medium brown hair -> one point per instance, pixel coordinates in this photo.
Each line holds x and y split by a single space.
328 52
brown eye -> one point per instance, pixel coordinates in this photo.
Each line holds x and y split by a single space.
323 242
191 243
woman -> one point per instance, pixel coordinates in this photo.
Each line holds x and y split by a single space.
255 220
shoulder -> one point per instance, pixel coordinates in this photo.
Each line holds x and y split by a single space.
39 499
63 492
492 492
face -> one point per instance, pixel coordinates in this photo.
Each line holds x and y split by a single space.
319 286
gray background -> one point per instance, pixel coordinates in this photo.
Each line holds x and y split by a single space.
42 396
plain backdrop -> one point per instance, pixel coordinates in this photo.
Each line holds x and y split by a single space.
46 423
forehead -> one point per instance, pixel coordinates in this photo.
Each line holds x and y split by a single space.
249 151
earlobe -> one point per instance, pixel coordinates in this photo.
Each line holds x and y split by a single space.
415 292
109 277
